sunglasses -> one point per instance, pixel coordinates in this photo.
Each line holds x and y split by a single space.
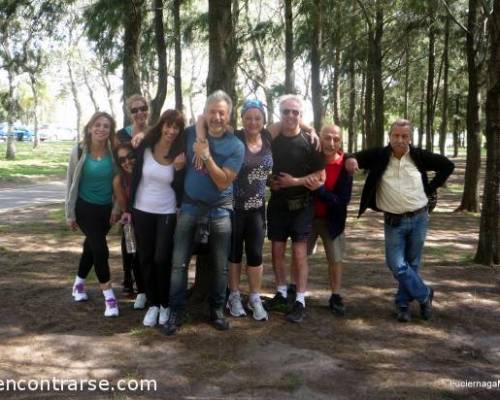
288 111
135 110
129 157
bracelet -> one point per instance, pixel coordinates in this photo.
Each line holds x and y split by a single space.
205 158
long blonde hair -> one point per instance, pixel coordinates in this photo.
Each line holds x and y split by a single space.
86 130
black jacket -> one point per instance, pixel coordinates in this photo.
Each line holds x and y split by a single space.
336 201
376 161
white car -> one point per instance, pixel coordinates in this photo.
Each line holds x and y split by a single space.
56 133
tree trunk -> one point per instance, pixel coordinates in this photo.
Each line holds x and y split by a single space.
76 100
89 88
132 24
316 90
223 51
178 55
289 56
352 106
488 248
36 139
10 153
407 77
456 127
444 117
161 53
107 86
223 57
429 125
470 196
378 86
369 134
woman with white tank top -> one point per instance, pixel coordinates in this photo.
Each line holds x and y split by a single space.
155 193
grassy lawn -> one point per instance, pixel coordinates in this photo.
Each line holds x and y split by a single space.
50 159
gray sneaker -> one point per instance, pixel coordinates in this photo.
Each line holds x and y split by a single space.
258 311
235 307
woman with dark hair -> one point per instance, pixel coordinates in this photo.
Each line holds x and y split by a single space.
125 160
138 112
89 198
156 184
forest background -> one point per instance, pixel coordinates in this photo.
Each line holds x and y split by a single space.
358 63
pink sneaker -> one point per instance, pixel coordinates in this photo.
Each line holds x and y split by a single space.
111 308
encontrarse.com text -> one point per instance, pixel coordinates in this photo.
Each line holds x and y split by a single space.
76 385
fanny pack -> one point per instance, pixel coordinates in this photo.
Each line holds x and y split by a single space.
298 202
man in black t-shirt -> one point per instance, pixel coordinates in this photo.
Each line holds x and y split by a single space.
290 210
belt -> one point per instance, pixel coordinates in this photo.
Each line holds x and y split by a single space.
408 214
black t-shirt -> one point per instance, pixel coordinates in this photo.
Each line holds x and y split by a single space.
298 157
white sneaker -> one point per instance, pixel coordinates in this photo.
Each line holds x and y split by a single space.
164 314
151 317
79 293
258 311
140 301
111 308
235 307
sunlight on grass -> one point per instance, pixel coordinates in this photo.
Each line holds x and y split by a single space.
49 159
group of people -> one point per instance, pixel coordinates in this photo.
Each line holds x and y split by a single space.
177 186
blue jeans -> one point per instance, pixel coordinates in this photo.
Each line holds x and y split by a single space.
218 242
404 241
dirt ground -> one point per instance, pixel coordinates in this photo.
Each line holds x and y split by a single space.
364 355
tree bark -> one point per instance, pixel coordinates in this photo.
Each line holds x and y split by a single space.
421 124
378 86
178 55
488 248
89 88
352 106
76 100
446 65
370 142
456 127
223 51
36 139
107 86
161 53
470 196
407 76
429 125
132 24
10 153
289 54
316 89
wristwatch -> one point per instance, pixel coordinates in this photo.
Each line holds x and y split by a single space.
205 158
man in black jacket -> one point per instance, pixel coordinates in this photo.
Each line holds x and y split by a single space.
397 185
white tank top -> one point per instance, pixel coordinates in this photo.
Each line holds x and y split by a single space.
155 194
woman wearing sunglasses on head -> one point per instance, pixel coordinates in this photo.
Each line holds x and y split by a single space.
155 192
89 198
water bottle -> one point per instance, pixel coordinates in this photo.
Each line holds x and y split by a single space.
128 232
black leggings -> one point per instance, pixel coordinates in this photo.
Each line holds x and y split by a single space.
155 238
131 265
93 220
249 228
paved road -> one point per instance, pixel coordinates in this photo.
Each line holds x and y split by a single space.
30 195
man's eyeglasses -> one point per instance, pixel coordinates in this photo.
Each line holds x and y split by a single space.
129 157
135 110
288 111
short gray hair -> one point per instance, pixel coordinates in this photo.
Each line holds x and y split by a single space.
401 122
219 95
293 97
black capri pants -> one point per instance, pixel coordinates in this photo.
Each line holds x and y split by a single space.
93 220
249 227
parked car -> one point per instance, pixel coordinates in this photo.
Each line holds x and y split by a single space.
21 133
47 132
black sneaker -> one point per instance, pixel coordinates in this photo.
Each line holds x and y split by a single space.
404 314
297 313
336 305
218 320
291 294
426 308
277 303
173 323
